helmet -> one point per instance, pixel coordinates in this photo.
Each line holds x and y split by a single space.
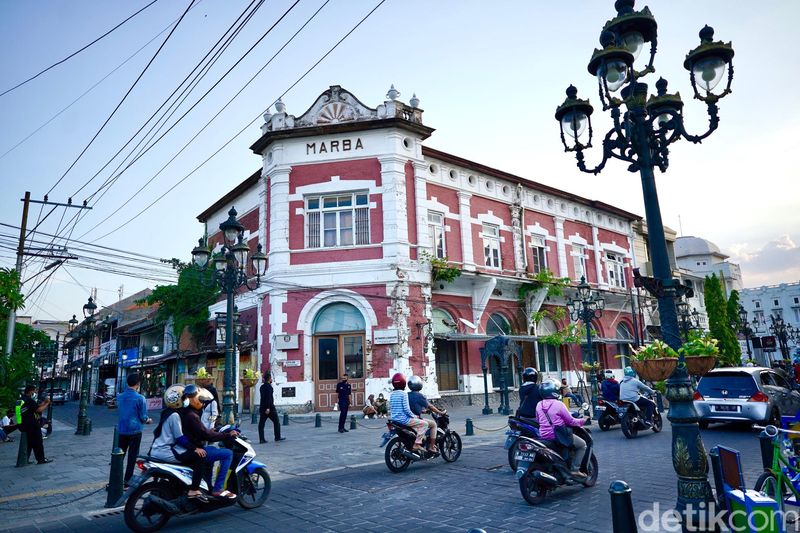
190 390
172 396
205 395
629 372
549 388
399 381
415 383
530 374
608 373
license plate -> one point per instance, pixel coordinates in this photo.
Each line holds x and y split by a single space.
524 456
726 408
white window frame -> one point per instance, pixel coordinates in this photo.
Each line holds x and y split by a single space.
491 244
758 316
314 223
579 260
796 314
437 232
539 253
615 264
757 304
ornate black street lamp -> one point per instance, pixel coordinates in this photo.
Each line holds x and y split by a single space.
87 332
687 320
643 128
586 306
230 275
745 329
779 328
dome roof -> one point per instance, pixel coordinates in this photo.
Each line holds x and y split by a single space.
688 246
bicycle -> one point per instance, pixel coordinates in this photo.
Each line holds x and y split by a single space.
781 481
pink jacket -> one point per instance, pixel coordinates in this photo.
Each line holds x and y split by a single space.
558 414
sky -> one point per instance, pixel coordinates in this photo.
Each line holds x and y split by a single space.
489 76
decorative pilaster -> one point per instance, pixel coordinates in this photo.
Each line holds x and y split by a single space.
466 230
563 271
518 239
395 208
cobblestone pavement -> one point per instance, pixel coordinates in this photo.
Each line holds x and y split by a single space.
326 481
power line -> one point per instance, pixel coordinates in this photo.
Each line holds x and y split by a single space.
128 92
90 89
154 202
73 54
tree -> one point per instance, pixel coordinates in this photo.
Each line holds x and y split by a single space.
718 323
733 311
20 367
11 297
186 302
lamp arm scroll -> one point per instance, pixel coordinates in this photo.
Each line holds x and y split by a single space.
713 124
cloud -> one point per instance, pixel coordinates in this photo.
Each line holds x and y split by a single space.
778 261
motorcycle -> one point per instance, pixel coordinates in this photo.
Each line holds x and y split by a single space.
159 493
541 467
632 420
100 399
612 414
519 426
400 439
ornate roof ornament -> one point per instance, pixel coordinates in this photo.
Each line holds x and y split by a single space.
393 93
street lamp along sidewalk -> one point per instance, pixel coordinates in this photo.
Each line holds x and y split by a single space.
230 274
640 136
84 426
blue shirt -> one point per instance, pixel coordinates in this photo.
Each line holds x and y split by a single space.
132 412
417 402
343 390
610 390
398 407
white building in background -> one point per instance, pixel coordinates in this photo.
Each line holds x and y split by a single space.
698 258
781 300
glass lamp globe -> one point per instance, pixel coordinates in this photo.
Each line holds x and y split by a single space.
614 73
708 72
574 123
633 42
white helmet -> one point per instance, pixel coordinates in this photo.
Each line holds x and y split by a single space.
172 397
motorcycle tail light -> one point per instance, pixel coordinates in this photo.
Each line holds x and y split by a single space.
525 446
141 466
698 397
759 397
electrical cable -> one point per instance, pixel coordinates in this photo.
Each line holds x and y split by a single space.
152 204
128 92
73 54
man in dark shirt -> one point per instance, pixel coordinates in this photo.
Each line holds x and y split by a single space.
529 394
30 424
343 391
267 410
609 388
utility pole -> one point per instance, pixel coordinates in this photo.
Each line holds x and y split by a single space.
39 252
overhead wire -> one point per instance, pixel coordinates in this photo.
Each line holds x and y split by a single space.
184 178
73 54
127 93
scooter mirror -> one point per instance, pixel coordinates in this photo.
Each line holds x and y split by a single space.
585 406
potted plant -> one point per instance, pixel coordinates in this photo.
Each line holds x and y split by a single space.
589 367
655 361
700 353
249 378
202 378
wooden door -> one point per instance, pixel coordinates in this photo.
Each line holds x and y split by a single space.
334 355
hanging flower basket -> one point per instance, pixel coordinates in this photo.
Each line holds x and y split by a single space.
249 382
700 365
204 382
657 369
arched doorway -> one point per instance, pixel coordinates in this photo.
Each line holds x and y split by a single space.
338 332
499 325
624 348
446 351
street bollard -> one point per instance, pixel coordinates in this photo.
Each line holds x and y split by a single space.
253 415
622 516
318 421
285 419
659 402
115 442
115 477
470 431
352 421
22 453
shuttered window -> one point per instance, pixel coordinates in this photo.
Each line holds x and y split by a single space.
337 220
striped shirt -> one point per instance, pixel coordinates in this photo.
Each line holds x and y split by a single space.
399 408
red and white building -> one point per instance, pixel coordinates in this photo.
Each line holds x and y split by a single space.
347 204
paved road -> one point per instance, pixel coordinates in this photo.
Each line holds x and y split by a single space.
324 481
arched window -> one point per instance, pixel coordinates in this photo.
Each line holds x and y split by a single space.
338 317
443 322
624 348
499 325
549 361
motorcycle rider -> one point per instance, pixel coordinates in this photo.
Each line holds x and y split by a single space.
609 388
630 391
170 445
194 400
529 394
552 413
419 404
401 412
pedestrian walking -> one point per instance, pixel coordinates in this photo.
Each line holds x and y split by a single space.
29 423
132 409
267 410
343 391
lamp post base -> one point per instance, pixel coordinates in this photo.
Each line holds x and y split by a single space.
694 506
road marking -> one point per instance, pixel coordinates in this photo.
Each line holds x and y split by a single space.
51 492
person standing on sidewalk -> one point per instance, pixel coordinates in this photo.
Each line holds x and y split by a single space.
267 410
30 424
343 391
132 414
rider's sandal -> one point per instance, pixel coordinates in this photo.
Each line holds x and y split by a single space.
225 494
202 497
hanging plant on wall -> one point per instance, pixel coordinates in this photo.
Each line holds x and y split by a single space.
440 268
543 278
